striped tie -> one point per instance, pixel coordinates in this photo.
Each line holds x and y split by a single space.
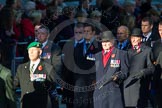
32 69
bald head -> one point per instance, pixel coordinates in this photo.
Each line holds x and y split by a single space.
122 33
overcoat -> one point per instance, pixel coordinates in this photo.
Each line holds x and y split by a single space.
157 47
109 96
159 80
136 95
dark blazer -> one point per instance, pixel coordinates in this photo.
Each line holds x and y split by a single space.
51 53
124 47
157 47
27 86
159 80
153 37
136 95
7 93
85 63
106 96
84 72
89 57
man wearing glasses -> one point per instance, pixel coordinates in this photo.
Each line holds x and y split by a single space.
123 42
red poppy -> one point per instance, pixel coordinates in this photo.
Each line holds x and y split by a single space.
91 48
40 68
113 55
45 47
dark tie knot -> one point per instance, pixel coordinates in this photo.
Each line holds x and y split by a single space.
77 44
144 38
87 45
120 46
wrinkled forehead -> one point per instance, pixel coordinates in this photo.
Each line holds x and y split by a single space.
122 28
135 37
42 30
36 27
78 28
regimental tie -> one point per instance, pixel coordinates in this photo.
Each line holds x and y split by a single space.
32 69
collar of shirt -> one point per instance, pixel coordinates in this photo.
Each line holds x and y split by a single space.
91 40
80 41
124 44
136 47
106 55
148 35
35 64
104 52
44 44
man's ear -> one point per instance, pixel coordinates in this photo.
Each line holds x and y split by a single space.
40 52
94 32
151 26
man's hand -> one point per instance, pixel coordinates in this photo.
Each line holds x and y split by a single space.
138 75
115 77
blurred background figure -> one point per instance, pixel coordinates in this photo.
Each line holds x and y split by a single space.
96 17
123 41
149 34
7 91
128 17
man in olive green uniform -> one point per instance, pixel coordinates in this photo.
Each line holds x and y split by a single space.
35 78
7 95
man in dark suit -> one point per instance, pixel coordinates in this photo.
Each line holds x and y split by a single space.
150 35
157 46
51 53
111 70
84 68
35 72
141 66
159 80
72 55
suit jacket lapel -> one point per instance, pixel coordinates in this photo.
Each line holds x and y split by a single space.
108 63
101 63
47 47
26 70
39 69
134 53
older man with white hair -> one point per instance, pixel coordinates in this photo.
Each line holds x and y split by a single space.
111 70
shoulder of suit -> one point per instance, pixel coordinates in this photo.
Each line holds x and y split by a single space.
23 65
160 54
157 41
99 53
4 72
47 65
122 51
118 50
143 46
